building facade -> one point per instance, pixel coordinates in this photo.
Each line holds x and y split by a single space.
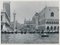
5 17
29 25
49 19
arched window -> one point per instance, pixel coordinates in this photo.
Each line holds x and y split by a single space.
54 27
51 27
52 14
36 14
47 27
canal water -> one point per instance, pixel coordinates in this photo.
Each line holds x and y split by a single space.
29 38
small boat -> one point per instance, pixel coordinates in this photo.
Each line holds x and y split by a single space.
44 35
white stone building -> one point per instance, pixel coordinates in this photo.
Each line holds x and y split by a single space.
49 19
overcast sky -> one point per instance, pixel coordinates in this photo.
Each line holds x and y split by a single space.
27 9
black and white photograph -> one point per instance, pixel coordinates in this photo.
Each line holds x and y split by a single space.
30 22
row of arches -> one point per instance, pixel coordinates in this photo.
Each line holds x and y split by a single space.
52 27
